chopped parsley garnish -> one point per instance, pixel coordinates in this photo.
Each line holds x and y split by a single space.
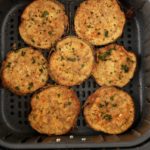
114 105
105 55
41 70
16 50
73 48
106 103
89 26
61 58
106 33
107 117
67 104
125 68
50 32
17 88
33 60
129 60
32 40
37 97
45 13
32 19
101 105
30 86
58 11
110 81
112 97
82 66
8 65
71 59
23 53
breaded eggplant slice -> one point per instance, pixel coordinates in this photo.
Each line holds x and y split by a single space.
43 22
114 66
109 110
24 71
72 62
99 21
54 110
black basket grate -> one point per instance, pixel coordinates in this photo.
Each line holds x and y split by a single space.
15 109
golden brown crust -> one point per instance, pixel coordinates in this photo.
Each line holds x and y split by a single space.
72 61
43 22
109 110
54 110
114 66
24 71
99 22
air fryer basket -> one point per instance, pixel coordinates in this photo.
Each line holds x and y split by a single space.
14 129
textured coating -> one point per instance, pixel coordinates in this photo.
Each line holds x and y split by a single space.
72 61
99 21
109 110
54 110
114 66
43 22
24 71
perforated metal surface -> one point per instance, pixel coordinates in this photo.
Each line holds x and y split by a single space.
16 108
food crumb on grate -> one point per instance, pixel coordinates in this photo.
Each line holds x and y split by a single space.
14 46
58 140
83 139
71 136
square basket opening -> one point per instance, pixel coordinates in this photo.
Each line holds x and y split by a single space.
15 131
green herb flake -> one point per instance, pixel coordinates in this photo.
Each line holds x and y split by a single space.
17 88
110 81
83 65
71 59
101 105
106 103
30 86
32 40
107 117
45 14
62 58
50 32
16 50
8 65
120 77
125 68
67 103
23 53
33 60
129 60
32 19
43 80
73 48
41 70
58 94
112 98
105 55
114 105
89 26
106 33
37 97
58 11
